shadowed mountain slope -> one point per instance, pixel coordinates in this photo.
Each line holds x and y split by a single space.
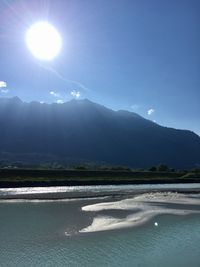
82 129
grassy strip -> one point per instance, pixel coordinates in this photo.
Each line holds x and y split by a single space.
22 173
20 177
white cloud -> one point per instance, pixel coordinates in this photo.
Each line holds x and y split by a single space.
54 94
4 91
150 111
59 101
75 94
3 84
135 106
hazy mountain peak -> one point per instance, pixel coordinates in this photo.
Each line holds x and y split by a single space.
15 99
82 129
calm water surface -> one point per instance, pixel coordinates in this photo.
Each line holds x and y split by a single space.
33 234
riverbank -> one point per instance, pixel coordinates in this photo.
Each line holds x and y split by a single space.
89 192
34 177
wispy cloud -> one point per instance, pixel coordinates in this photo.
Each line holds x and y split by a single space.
72 82
3 84
135 107
55 94
59 101
150 111
75 94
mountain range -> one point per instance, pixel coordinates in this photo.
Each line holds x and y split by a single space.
83 130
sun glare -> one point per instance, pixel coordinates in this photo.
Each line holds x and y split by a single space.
43 40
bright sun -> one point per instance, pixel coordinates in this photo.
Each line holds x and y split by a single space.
43 40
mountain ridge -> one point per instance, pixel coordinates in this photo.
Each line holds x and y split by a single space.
85 130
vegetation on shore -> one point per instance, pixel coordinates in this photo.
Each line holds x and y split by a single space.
82 175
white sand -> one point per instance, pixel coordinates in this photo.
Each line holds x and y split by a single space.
148 206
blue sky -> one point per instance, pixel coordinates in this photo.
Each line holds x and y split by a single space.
139 55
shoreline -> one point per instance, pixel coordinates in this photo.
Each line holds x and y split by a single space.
39 178
113 209
92 195
82 182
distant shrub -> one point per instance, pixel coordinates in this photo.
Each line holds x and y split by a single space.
81 167
153 169
196 170
162 168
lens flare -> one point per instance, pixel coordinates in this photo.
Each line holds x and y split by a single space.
43 40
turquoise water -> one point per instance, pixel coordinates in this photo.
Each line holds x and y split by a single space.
33 234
